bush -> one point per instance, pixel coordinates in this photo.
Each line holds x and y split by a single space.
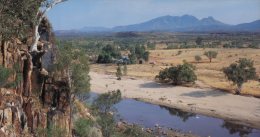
179 74
135 131
240 72
108 53
119 72
83 127
197 58
104 58
104 105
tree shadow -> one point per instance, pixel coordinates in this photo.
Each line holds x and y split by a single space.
237 129
201 94
154 85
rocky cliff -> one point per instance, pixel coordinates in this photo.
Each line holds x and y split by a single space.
33 101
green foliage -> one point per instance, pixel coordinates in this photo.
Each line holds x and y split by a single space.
135 131
178 74
197 58
104 105
151 46
17 17
107 123
83 127
108 53
240 72
138 52
104 58
105 101
4 75
75 60
132 58
211 54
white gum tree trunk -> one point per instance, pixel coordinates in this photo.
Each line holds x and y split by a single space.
46 6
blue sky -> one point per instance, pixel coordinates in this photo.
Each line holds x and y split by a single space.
76 14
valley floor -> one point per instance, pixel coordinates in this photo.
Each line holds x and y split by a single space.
204 101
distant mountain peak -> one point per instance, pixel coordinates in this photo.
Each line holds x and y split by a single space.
184 23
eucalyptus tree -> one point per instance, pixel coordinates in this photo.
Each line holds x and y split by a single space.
46 5
211 55
240 72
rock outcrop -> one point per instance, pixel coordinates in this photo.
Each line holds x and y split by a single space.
35 101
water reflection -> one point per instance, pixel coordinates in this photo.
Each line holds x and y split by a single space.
184 116
149 115
236 128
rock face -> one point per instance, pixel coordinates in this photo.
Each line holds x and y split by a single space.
37 101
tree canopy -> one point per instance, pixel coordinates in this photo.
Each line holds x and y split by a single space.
178 75
240 72
17 17
211 54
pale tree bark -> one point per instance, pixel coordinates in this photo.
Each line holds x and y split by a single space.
46 6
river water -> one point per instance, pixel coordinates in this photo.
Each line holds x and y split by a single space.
149 115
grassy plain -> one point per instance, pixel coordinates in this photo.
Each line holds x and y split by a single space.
209 74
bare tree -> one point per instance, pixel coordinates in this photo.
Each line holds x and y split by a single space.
46 5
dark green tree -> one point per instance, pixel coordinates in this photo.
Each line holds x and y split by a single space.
178 75
240 72
108 53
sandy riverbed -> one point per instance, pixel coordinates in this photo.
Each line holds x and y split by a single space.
209 102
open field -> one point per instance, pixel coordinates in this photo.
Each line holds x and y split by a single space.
209 74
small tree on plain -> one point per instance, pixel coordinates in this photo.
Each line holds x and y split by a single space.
118 72
197 58
240 72
211 54
125 69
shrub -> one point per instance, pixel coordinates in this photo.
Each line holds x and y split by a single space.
83 127
178 74
211 54
104 58
4 75
197 58
104 105
119 72
135 131
240 72
108 53
179 53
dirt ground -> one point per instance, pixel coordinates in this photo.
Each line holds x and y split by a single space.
204 101
209 74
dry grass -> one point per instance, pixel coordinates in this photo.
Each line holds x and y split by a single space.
208 73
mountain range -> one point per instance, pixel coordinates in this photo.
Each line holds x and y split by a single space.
185 23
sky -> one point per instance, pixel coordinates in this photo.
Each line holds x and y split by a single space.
76 14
